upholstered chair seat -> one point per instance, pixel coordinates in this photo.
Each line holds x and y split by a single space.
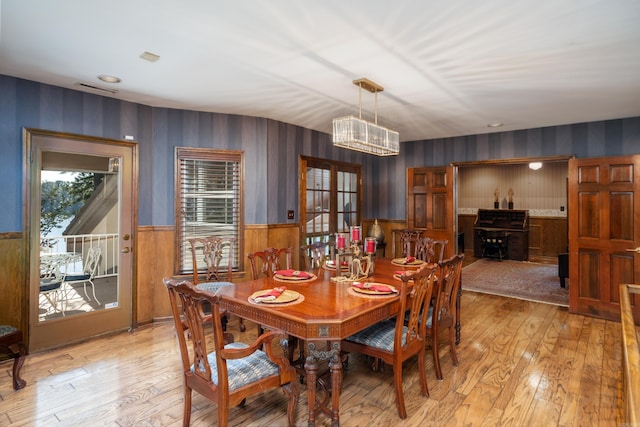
242 372
213 286
50 284
381 335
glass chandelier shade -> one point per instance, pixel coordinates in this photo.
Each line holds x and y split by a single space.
358 134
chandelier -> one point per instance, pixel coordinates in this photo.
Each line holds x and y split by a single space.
355 133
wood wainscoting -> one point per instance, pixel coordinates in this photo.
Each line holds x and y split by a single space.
155 261
156 254
465 225
547 236
13 287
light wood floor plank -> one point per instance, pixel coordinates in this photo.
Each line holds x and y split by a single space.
521 363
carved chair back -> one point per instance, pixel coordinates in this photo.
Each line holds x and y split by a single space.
270 260
430 250
212 256
315 254
407 239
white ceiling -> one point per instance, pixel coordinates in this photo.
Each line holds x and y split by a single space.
449 68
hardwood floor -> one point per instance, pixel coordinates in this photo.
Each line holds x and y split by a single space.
521 363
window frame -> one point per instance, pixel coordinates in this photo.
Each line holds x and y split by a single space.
182 248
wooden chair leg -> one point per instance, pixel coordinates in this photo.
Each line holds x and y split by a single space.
12 344
423 375
223 415
292 391
452 345
20 351
397 380
186 415
436 355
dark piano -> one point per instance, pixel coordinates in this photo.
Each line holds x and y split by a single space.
511 225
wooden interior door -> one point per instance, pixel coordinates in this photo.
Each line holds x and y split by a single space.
430 204
604 225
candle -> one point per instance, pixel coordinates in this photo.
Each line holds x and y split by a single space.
341 241
370 245
355 233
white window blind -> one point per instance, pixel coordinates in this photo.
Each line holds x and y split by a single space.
209 192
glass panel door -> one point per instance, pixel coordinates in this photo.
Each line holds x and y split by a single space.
78 239
81 236
347 200
332 199
318 205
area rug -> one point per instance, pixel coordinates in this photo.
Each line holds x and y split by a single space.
516 279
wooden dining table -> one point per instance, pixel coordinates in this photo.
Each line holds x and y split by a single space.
326 312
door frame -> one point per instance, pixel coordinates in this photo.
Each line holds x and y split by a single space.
333 166
507 162
31 204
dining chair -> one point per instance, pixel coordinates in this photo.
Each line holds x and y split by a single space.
229 373
430 250
88 273
444 308
315 254
394 341
212 257
52 276
407 238
265 263
12 344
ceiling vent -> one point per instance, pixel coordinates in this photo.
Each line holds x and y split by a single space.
95 88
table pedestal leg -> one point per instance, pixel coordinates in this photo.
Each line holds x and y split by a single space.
335 365
311 369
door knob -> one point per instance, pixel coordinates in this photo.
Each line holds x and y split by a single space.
636 250
125 250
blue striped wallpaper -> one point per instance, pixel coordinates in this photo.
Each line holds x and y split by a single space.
271 150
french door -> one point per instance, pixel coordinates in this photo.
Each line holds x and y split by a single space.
330 198
62 308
